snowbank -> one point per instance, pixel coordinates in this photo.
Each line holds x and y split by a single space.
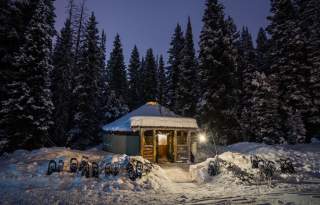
25 170
305 159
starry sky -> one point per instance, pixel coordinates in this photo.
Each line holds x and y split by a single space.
150 23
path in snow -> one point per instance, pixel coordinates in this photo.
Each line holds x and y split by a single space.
178 173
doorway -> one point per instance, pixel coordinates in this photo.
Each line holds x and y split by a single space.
164 146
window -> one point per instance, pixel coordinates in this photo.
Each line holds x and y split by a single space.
182 137
148 137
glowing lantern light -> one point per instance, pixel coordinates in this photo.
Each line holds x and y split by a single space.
202 138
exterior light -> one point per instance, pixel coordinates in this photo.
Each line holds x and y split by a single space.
202 138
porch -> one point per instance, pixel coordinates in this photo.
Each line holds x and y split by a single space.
163 145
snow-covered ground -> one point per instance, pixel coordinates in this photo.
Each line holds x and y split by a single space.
23 179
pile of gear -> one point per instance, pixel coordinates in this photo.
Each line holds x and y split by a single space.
266 168
133 169
85 167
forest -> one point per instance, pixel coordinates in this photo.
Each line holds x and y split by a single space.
58 88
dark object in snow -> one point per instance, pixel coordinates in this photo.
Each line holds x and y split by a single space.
213 168
139 169
147 167
85 171
83 163
52 167
60 165
267 169
73 165
108 169
131 171
136 169
286 166
191 157
255 160
115 167
95 169
238 172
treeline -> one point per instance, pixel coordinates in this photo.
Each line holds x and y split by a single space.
62 95
265 94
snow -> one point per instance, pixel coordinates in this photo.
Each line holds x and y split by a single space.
150 114
23 179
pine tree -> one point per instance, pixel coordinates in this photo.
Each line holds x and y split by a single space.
175 60
262 51
310 23
247 67
288 56
134 81
187 88
150 77
217 106
117 70
162 82
117 82
102 81
61 84
29 107
87 91
265 117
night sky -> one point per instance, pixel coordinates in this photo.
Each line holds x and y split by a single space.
150 23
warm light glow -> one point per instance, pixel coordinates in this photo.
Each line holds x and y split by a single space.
202 138
152 103
162 139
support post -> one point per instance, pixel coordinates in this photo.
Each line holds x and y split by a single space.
189 145
154 146
141 141
175 145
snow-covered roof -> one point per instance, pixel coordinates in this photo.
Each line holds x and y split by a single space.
150 115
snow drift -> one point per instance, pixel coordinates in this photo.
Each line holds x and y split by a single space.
305 159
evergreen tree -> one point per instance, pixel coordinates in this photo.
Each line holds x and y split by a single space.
134 81
28 108
262 51
310 22
103 85
61 84
218 103
162 82
117 82
150 77
15 17
175 60
117 70
247 67
87 117
265 118
187 88
288 57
